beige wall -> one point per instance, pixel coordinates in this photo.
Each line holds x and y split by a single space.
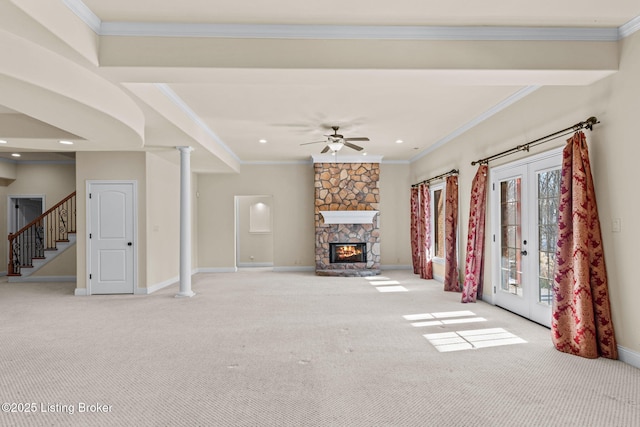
62 265
614 149
111 166
292 189
293 233
394 221
7 171
54 182
163 220
195 200
253 248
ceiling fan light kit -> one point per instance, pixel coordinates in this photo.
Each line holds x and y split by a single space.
336 146
335 142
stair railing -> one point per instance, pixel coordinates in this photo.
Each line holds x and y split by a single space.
42 234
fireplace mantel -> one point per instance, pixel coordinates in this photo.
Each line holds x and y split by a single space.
348 217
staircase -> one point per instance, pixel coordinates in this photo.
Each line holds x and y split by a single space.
43 239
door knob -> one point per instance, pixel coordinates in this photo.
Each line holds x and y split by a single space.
524 252
129 244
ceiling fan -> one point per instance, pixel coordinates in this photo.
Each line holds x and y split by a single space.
335 142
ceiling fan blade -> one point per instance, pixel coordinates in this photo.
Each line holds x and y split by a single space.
314 142
355 147
361 138
325 149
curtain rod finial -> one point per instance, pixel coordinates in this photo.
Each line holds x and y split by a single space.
590 122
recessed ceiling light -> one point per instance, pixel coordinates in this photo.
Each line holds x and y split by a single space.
2 141
15 155
364 154
62 141
263 141
399 141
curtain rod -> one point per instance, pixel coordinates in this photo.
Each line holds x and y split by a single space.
587 124
451 172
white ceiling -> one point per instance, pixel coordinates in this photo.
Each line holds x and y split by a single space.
422 90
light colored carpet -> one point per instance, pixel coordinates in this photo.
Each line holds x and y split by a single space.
291 349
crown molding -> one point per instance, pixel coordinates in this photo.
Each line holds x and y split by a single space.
178 102
515 97
83 12
328 158
274 162
629 28
350 32
355 32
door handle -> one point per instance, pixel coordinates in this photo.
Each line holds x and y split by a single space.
130 244
524 252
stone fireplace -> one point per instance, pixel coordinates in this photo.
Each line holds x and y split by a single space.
347 198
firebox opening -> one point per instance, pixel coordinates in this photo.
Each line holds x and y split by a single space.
348 252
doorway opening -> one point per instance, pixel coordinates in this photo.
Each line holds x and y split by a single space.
22 210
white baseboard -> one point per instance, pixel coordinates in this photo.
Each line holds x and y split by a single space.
395 267
217 270
294 268
254 264
42 279
629 357
80 292
153 288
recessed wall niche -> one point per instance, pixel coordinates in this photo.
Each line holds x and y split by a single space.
254 231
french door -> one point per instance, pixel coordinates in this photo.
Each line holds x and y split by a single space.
524 203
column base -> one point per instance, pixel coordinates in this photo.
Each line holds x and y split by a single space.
187 294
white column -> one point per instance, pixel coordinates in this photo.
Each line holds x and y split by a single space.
185 223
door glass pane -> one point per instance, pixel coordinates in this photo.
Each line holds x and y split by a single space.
511 232
548 200
438 224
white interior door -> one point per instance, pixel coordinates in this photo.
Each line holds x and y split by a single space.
524 200
111 238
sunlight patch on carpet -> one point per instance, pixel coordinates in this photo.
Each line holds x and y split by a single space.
392 289
448 322
468 340
384 282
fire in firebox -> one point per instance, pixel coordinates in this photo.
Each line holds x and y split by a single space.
348 252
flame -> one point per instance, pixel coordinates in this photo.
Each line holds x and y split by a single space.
347 251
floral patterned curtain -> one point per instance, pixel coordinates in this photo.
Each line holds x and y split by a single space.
581 323
426 267
451 282
474 263
415 229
